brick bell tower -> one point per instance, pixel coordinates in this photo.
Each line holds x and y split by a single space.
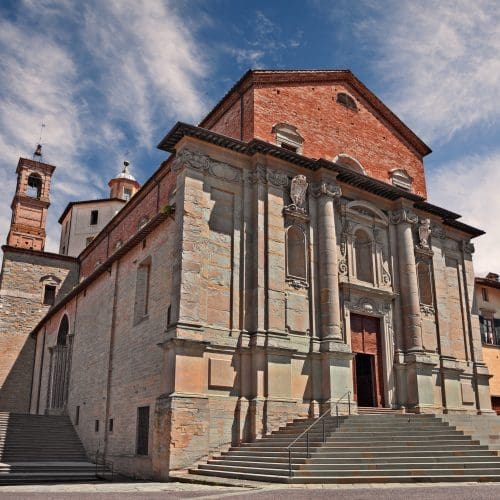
30 203
31 281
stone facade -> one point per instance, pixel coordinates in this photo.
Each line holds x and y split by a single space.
254 285
24 276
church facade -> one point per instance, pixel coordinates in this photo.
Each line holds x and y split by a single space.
282 260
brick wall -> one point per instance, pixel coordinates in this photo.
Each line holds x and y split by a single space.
328 128
143 206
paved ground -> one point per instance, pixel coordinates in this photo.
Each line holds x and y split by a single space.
174 490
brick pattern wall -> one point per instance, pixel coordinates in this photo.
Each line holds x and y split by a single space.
328 128
142 207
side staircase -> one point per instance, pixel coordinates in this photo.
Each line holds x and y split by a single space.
374 446
37 448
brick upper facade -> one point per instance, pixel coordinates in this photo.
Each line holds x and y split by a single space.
371 134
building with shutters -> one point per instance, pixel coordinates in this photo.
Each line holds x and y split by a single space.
283 257
487 297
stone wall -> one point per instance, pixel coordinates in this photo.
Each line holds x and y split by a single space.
24 275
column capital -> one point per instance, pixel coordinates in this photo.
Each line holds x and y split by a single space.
405 215
326 188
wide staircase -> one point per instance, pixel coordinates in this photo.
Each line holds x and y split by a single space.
374 446
36 448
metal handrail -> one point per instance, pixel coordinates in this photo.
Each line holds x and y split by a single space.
106 465
306 431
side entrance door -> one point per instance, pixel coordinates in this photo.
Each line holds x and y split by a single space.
367 364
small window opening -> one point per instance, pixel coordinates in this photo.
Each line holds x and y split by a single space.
94 216
34 188
346 100
62 333
284 145
484 291
111 425
96 426
169 315
49 295
127 194
77 415
142 430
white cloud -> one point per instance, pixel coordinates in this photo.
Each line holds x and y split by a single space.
150 65
470 187
441 61
99 75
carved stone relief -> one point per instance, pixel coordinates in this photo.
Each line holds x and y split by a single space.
424 233
325 188
207 165
403 215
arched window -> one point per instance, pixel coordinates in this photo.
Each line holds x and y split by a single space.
363 256
34 187
348 161
425 283
296 253
62 334
346 100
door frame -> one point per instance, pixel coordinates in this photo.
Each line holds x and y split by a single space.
380 308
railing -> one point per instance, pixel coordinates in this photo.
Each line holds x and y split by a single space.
321 418
103 467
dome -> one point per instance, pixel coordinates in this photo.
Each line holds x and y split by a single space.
125 174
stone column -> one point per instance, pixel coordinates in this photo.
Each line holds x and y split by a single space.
330 318
404 218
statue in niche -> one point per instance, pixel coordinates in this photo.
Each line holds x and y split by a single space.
424 232
298 191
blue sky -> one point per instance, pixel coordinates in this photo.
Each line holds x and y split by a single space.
110 77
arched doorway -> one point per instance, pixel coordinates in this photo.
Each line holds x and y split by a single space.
59 369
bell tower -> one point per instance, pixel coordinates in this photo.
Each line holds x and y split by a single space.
30 203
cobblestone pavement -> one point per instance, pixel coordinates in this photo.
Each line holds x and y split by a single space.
174 490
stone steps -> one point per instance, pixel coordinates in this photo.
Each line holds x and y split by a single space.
378 447
36 448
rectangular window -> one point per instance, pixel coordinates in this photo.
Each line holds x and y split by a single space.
169 315
142 430
77 415
96 426
94 217
111 425
142 291
489 331
485 294
284 145
49 295
127 194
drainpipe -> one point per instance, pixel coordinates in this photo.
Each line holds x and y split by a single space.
110 358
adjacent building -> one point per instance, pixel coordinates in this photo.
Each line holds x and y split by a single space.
487 297
284 257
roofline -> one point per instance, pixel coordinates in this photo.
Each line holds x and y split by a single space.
83 202
487 282
344 174
35 163
105 266
262 77
39 253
